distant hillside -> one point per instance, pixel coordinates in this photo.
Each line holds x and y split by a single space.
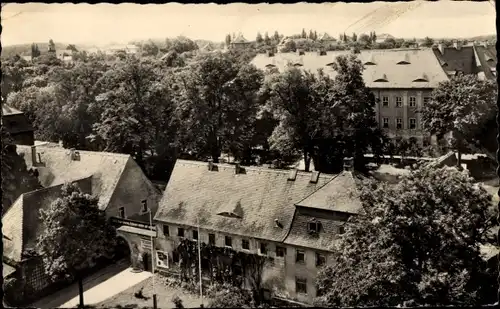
19 49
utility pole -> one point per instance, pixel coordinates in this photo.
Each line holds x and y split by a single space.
199 262
152 250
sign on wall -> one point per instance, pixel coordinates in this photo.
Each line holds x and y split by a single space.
146 244
162 259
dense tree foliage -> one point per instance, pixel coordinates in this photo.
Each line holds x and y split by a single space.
217 103
323 118
416 242
461 108
75 234
16 178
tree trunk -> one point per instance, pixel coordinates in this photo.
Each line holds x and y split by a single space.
459 159
307 161
80 290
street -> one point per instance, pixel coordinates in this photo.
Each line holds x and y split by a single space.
98 287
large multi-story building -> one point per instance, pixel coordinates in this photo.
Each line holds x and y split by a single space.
292 217
401 79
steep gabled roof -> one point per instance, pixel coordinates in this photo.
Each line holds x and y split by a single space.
340 194
326 37
22 224
57 167
240 39
398 76
258 197
9 110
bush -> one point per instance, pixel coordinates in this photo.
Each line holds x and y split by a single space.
227 296
13 291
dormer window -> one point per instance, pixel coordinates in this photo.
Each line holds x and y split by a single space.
270 66
370 61
405 60
381 78
313 226
297 65
421 78
329 64
489 58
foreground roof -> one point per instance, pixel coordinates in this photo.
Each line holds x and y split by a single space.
9 110
245 204
55 166
396 68
22 224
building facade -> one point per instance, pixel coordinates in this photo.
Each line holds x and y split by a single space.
290 216
401 80
17 125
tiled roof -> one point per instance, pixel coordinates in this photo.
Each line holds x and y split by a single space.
340 194
299 234
421 62
240 39
21 223
57 167
454 60
7 270
9 110
487 57
259 195
326 37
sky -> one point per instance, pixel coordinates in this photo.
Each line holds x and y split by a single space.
108 23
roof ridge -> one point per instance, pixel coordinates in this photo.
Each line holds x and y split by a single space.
100 153
253 168
295 204
52 187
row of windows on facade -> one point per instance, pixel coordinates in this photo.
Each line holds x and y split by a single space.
300 255
399 123
399 101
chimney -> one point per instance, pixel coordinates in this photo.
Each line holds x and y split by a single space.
322 51
348 164
457 45
292 175
270 53
300 52
441 48
237 167
485 44
33 155
314 177
61 144
210 164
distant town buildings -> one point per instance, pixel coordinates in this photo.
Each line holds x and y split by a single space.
382 37
239 43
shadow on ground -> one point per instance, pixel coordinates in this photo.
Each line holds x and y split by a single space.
63 296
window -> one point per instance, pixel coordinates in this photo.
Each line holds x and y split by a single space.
166 231
180 232
413 101
399 101
211 239
413 123
144 207
228 241
385 101
195 235
245 244
320 260
301 285
341 230
263 248
426 100
385 123
399 123
300 256
280 251
121 212
313 227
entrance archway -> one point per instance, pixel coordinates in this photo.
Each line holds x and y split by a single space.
123 251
